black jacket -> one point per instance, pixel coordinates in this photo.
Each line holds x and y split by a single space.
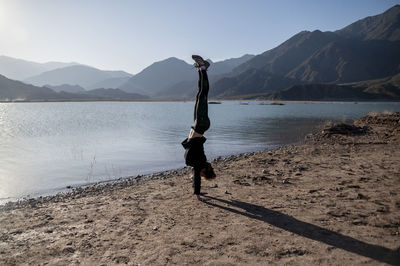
194 152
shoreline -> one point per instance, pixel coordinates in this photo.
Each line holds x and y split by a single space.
58 193
121 182
332 199
212 99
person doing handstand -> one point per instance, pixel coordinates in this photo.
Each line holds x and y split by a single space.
194 150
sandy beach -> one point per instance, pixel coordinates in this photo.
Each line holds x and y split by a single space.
332 200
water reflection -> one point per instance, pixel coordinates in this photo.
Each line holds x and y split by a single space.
281 131
259 134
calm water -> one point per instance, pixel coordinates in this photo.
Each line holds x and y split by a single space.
45 147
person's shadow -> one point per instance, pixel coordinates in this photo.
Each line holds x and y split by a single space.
310 231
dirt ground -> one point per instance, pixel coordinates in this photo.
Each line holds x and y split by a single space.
332 200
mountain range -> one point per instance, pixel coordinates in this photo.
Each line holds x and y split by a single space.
172 77
84 76
359 61
80 82
367 49
19 69
13 90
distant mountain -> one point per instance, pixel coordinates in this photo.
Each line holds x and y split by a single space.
12 90
19 69
186 89
67 88
112 83
385 26
381 89
289 54
350 60
225 66
173 78
16 90
57 74
355 53
115 94
327 57
159 76
81 75
117 73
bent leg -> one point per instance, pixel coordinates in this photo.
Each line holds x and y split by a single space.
201 120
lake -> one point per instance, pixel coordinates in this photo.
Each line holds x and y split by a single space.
45 147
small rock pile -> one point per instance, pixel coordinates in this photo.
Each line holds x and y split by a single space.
345 129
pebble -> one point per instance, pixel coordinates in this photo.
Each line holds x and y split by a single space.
286 181
300 168
68 250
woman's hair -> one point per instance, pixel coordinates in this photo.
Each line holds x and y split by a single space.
208 172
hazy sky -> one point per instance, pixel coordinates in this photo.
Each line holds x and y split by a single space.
130 35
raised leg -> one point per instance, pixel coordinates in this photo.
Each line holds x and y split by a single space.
201 119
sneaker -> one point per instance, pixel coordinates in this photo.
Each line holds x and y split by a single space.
200 62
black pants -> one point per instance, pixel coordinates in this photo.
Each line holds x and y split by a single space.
201 120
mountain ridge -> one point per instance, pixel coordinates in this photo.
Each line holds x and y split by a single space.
81 75
14 90
158 76
324 57
166 78
385 26
20 69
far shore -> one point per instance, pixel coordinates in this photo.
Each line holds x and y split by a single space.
212 99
